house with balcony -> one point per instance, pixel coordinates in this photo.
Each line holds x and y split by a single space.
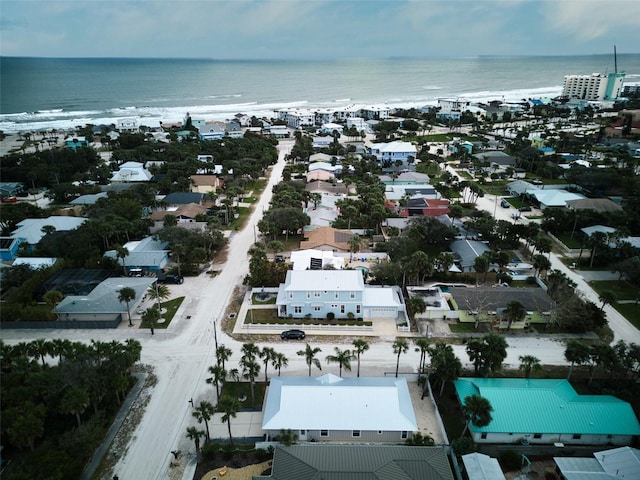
548 411
211 131
339 294
393 152
334 409
131 172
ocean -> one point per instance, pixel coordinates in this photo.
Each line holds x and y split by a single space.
56 93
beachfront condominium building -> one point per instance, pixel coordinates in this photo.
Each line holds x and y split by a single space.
594 87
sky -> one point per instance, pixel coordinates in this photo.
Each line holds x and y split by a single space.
316 29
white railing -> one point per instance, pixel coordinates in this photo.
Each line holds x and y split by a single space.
280 326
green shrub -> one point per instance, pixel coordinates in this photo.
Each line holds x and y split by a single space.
210 450
331 316
510 461
350 316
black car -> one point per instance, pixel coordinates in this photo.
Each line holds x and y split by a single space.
525 209
175 279
292 335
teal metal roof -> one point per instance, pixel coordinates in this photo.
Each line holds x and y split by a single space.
548 406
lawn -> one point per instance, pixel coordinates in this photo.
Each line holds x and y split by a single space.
171 308
241 390
630 311
565 238
622 289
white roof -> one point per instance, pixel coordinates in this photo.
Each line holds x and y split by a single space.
623 462
31 228
379 297
598 228
35 262
347 280
333 403
397 147
301 259
482 467
553 197
131 172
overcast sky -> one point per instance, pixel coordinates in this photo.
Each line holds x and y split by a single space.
255 29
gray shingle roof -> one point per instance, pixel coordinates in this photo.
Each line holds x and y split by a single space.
359 462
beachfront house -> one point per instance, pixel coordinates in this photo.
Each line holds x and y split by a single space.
211 131
128 125
334 409
337 294
451 108
543 411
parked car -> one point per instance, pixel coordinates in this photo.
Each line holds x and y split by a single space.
525 209
505 204
292 335
175 279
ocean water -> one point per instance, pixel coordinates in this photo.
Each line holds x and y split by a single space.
47 93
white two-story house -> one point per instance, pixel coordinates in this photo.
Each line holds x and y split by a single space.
318 293
394 151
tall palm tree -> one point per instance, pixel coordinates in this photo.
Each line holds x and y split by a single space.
267 354
576 353
400 346
360 346
158 292
355 243
342 358
203 413
477 410
75 401
219 375
528 363
494 353
229 407
122 253
309 354
423 346
250 351
223 354
607 297
126 294
250 370
279 361
194 434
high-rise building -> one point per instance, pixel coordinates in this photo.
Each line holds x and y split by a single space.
594 87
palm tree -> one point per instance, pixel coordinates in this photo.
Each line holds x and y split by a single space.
194 434
515 312
229 407
481 265
126 294
342 358
576 353
267 354
53 298
75 401
178 250
607 297
151 316
309 354
423 346
122 253
529 363
360 346
250 351
355 243
494 353
40 348
279 361
477 410
223 354
400 346
219 375
250 370
203 413
158 292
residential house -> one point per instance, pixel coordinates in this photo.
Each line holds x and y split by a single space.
316 260
399 192
393 152
613 464
326 238
35 262
183 198
131 172
497 160
128 125
205 183
243 119
321 157
146 256
338 293
319 186
466 251
553 197
279 131
375 112
211 131
398 462
29 230
321 142
600 205
542 411
424 207
76 142
297 118
452 108
88 199
185 214
101 303
359 123
234 130
9 248
10 189
405 178
334 409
